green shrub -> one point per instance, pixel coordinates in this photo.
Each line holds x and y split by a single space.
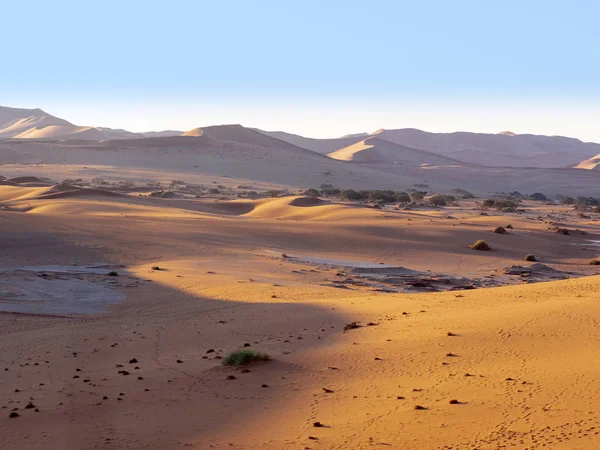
244 356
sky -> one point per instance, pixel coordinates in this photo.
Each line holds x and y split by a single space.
317 68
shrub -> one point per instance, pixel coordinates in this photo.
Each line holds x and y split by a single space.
330 192
112 273
311 192
595 262
350 195
386 196
462 193
244 356
441 199
538 196
587 201
502 204
567 200
273 193
402 197
417 196
500 230
509 227
530 258
480 245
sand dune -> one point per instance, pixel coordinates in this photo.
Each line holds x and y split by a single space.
374 149
307 208
589 164
518 358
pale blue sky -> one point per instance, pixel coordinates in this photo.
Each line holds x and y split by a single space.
319 68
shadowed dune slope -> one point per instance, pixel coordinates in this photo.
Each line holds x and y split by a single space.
323 146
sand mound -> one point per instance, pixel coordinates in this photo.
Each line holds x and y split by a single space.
66 191
306 208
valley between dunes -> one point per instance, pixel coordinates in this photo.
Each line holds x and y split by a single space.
513 366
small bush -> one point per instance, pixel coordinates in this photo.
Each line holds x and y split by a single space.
403 197
244 356
273 193
112 273
311 192
481 246
563 231
595 262
500 230
538 196
530 258
441 199
417 196
509 227
350 195
462 193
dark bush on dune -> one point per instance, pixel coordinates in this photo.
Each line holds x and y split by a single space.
587 201
349 195
402 197
595 262
244 356
481 246
530 258
417 196
507 204
500 230
464 194
333 192
386 196
538 196
441 199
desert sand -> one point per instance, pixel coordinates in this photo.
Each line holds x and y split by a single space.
133 359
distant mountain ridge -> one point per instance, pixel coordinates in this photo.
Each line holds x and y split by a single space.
22 123
505 149
404 146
